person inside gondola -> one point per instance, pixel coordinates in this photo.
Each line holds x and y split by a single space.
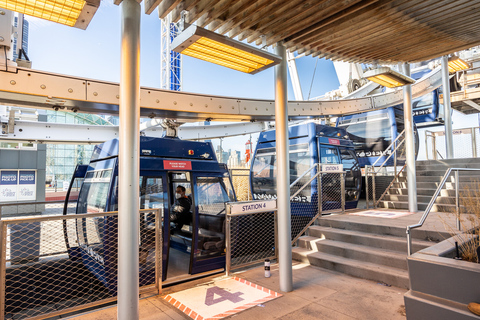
180 214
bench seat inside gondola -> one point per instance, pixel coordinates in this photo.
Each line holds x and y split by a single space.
211 234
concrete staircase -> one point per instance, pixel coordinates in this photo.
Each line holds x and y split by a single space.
429 176
363 250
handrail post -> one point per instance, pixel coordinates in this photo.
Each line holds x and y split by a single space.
457 200
395 162
158 251
409 241
319 190
426 143
367 194
474 143
228 243
373 190
342 186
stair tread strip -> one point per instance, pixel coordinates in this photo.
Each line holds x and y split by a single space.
370 235
347 261
356 247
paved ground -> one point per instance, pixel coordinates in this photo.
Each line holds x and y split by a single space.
318 294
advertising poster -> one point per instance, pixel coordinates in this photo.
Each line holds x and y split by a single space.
26 185
8 185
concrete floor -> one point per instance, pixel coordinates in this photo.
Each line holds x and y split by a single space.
317 294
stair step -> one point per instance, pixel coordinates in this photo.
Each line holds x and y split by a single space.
366 270
435 171
373 240
463 178
423 192
341 223
434 185
450 162
420 198
421 206
383 257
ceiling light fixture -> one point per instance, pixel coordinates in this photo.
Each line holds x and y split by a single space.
388 77
209 46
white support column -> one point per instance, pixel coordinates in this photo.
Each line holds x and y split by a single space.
128 157
410 144
283 174
447 107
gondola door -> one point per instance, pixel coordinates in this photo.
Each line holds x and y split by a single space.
178 232
153 195
212 191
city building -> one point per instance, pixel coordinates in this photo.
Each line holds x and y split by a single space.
24 38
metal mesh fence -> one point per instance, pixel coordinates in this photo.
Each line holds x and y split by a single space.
305 199
241 183
303 202
377 183
251 238
58 264
466 144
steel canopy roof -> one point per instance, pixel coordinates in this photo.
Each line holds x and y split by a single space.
384 31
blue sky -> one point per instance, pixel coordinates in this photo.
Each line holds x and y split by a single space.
95 53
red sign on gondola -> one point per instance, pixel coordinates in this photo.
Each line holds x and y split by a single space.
177 165
334 141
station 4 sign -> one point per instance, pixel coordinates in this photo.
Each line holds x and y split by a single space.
253 206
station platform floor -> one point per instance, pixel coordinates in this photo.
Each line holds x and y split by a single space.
318 294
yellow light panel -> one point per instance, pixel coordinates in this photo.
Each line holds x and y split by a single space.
457 64
237 52
224 55
385 81
60 11
209 51
219 61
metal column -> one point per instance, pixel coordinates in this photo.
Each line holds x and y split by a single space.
128 159
447 107
474 144
283 174
410 144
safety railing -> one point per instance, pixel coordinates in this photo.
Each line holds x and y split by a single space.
251 228
394 152
395 179
308 201
466 143
39 208
445 178
41 277
241 183
379 179
251 233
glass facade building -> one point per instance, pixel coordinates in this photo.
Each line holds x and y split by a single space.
24 39
63 158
